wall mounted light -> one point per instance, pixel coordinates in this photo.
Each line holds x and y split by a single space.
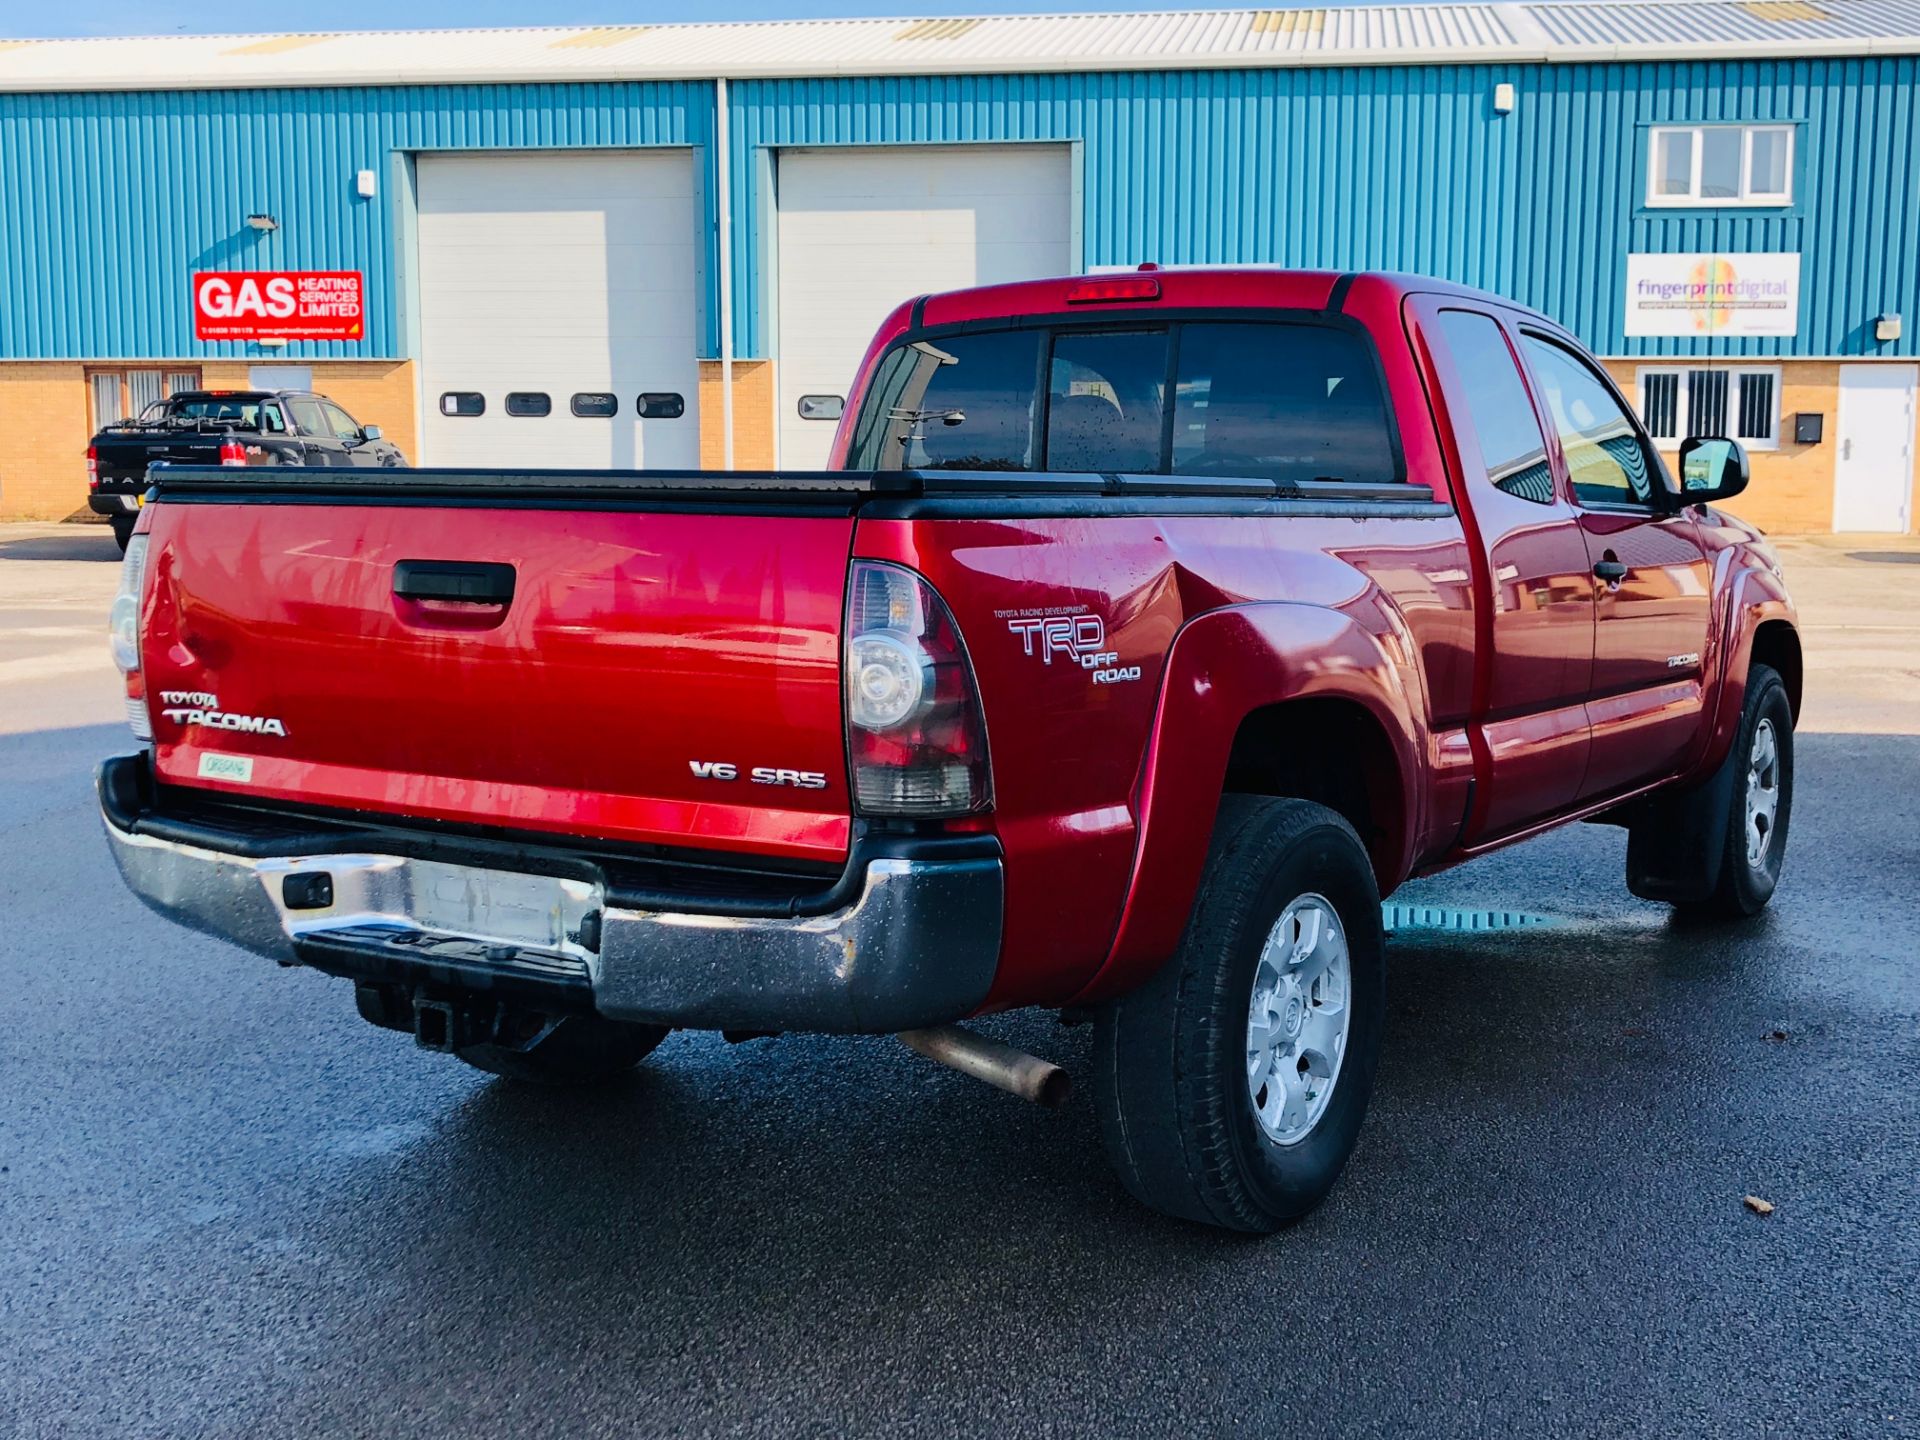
1503 99
366 185
271 342
262 223
1887 327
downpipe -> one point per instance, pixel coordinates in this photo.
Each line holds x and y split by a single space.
1001 1066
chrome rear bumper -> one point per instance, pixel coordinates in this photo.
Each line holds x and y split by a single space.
914 941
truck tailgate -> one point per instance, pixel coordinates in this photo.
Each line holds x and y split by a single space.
657 677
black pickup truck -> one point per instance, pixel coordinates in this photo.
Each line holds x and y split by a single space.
224 427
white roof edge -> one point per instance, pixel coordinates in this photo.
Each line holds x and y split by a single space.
363 78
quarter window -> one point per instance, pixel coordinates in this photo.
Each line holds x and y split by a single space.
1720 165
1511 444
962 402
1737 402
1605 458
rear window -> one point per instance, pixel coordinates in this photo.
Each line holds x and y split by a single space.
1281 400
244 413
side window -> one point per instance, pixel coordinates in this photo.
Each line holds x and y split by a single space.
271 420
1511 445
1280 402
343 425
1605 459
1104 395
307 415
964 403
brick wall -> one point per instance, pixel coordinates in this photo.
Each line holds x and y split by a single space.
752 415
44 431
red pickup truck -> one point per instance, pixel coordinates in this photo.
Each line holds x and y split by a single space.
1148 630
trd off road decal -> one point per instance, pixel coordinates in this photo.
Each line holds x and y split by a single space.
1079 639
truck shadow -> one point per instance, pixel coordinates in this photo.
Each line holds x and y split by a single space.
72 542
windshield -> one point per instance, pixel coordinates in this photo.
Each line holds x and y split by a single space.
1287 401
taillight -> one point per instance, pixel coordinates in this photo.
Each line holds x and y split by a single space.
232 452
93 467
916 741
123 629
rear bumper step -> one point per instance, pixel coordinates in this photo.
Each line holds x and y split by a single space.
912 939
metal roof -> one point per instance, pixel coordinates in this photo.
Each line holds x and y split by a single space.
1439 33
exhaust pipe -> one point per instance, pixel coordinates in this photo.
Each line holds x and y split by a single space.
1001 1066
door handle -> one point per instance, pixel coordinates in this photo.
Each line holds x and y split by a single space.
476 582
1611 571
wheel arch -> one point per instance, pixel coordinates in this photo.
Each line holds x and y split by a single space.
1776 643
1280 699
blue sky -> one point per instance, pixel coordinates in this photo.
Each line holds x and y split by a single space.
160 17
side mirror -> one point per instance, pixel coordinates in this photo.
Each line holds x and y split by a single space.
369 432
1711 468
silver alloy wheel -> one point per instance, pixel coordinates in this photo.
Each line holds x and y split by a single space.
1763 794
1297 1019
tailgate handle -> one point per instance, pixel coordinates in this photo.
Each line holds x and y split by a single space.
477 582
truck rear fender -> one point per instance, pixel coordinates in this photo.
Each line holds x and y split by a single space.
1273 698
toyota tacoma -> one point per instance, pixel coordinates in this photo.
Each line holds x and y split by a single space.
1146 630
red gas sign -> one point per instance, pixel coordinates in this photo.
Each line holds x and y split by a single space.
279 304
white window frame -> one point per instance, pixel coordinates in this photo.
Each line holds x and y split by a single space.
1670 444
1693 199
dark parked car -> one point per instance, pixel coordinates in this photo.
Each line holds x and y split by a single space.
224 427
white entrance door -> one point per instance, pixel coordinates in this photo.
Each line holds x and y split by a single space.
863 228
1873 468
549 276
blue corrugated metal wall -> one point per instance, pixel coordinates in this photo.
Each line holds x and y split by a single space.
108 201
1409 168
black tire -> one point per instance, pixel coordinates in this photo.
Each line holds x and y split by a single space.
1177 1114
579 1050
1691 849
122 529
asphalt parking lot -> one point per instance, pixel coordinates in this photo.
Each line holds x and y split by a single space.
229 1207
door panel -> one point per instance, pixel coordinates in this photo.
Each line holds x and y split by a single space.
1537 635
1650 630
1873 467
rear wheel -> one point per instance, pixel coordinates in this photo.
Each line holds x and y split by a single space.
577 1050
1231 1086
123 529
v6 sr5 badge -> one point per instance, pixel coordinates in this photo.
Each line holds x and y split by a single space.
1077 640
